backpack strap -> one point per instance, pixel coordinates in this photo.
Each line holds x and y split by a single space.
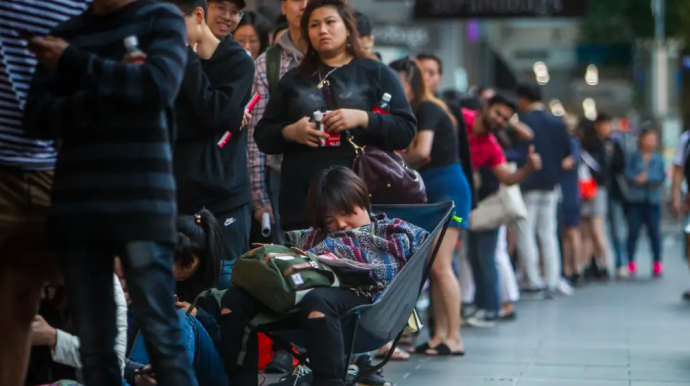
273 63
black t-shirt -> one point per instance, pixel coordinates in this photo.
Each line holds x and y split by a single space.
444 151
357 85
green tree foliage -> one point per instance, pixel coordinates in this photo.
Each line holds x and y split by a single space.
620 21
606 23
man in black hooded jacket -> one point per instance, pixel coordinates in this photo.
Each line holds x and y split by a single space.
210 108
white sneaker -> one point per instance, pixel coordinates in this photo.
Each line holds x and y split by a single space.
622 273
352 373
565 288
480 320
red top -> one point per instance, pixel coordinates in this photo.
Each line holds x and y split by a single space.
484 149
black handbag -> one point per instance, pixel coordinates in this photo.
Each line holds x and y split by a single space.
389 180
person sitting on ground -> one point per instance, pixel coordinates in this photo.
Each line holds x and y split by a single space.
337 206
64 346
199 265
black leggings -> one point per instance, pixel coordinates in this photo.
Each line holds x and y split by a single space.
323 336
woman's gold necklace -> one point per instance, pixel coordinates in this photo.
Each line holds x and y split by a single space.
325 79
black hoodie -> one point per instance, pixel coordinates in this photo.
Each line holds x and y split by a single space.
211 102
357 85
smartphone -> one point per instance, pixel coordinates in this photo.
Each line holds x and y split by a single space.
144 370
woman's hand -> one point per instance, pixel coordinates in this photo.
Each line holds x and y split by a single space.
146 377
185 306
246 118
568 163
304 132
42 334
345 119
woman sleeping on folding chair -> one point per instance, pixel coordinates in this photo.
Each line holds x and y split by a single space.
342 225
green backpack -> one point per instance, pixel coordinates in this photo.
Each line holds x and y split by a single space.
280 276
273 63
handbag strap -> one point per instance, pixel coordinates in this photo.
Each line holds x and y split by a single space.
325 86
330 102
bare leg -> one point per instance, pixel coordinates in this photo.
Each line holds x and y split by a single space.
568 256
440 318
447 294
575 241
599 240
586 233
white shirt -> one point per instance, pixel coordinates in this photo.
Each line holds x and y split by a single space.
681 150
66 350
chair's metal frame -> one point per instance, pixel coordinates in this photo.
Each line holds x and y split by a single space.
302 358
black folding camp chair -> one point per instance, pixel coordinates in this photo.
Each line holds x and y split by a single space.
372 326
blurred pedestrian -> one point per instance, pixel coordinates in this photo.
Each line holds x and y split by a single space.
114 191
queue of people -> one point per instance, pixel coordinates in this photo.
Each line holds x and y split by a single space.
133 176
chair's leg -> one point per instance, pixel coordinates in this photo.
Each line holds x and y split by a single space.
302 359
352 347
385 361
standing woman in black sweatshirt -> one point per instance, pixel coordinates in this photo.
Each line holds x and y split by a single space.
334 59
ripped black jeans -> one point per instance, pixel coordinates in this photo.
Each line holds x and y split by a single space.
323 335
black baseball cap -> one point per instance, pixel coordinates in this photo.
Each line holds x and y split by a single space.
240 3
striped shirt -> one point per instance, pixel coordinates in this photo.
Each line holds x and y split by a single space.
16 66
114 175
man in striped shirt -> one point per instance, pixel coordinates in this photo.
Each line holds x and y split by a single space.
114 191
25 181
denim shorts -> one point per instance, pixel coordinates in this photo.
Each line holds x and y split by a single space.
449 183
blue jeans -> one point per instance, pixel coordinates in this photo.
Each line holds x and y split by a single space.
616 221
88 272
201 352
648 215
481 253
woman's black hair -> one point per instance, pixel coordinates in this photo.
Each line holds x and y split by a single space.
200 236
590 139
312 61
363 24
645 131
335 189
281 24
435 58
262 27
413 73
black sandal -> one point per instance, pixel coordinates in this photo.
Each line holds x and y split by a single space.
442 350
421 349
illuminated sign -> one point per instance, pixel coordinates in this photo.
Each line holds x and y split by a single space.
437 9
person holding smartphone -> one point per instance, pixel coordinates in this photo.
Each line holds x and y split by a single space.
115 192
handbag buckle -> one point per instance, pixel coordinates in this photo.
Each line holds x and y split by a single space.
358 148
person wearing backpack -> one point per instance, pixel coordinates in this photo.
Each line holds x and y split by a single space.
264 170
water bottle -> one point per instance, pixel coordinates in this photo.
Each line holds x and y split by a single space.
383 107
132 46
